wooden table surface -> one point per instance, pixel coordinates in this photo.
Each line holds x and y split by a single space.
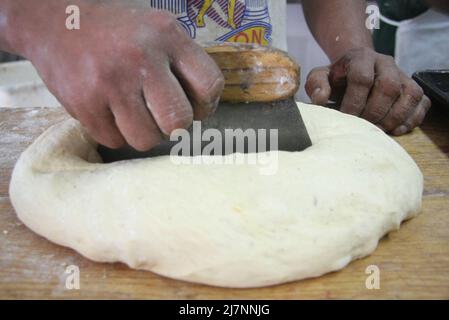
413 262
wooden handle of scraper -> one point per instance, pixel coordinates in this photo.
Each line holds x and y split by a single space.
254 73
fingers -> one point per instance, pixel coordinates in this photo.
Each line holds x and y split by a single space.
384 93
409 110
378 91
318 87
100 124
360 78
135 121
415 119
199 75
166 100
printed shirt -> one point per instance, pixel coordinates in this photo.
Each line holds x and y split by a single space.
248 21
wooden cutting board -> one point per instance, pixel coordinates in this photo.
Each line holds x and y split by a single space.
413 263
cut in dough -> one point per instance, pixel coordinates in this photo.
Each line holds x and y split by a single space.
223 225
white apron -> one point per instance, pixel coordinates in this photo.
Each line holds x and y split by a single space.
423 42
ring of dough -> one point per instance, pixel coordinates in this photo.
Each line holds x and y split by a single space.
223 225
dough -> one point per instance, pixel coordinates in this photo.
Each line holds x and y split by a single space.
223 225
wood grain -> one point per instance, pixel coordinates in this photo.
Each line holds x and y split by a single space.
252 72
414 262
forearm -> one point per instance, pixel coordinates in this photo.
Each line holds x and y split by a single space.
23 21
8 14
338 25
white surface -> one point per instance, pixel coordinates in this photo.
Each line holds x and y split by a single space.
224 225
302 46
422 43
21 86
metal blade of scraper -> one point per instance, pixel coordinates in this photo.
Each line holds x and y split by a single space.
255 77
240 123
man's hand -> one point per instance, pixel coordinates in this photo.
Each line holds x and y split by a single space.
370 85
129 74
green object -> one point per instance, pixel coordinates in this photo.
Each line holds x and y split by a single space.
397 10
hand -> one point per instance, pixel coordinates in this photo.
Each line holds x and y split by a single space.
370 85
129 74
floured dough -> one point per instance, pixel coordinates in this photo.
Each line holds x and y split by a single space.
224 225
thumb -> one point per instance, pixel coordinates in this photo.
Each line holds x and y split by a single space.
317 85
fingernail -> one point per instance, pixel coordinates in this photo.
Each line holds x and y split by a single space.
211 107
214 105
401 130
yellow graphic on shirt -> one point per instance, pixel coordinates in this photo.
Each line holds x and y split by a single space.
207 4
255 34
246 21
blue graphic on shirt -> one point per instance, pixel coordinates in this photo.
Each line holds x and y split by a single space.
245 21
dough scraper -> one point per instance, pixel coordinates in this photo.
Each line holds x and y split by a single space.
260 84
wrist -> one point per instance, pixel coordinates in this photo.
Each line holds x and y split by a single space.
337 45
15 19
339 51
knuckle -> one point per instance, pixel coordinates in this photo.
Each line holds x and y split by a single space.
362 79
81 96
351 108
210 93
393 121
176 120
376 114
102 80
366 52
414 90
399 116
389 87
165 21
359 52
387 58
355 52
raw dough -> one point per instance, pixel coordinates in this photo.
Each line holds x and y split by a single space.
223 225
